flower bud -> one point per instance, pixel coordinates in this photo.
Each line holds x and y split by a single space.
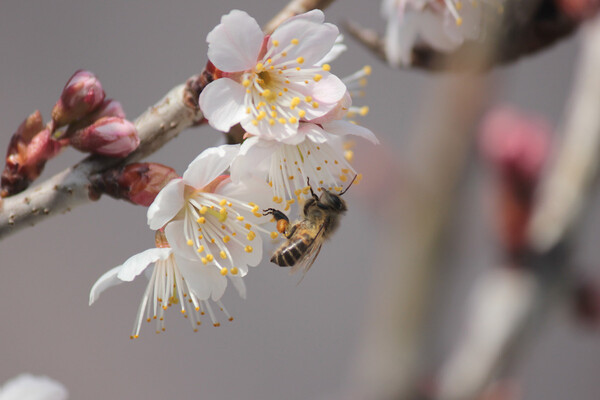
138 183
29 149
108 108
516 144
81 95
517 147
108 136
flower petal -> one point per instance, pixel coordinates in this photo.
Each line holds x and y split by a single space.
175 233
315 39
136 264
222 102
30 387
166 205
218 282
108 279
235 43
211 163
338 48
197 277
253 159
239 285
313 132
251 189
342 128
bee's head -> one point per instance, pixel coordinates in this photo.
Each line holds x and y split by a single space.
332 201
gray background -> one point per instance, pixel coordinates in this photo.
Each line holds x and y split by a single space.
287 341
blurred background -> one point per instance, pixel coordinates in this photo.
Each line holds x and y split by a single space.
287 341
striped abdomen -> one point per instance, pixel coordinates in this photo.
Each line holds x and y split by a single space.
292 250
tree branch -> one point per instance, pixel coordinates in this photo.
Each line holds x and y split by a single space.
162 122
547 26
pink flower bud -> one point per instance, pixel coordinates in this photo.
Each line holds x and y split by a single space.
29 149
81 95
138 183
108 136
108 108
517 146
579 9
515 143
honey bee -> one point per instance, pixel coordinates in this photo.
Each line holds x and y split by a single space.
320 218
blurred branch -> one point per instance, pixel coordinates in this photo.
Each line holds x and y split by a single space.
415 215
498 324
547 26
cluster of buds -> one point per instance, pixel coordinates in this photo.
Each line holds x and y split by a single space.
95 125
517 146
29 149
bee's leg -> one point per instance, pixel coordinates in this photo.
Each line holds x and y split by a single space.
282 220
314 196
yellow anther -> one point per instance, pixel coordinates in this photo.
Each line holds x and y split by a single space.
297 192
318 77
274 114
306 189
234 271
343 178
200 249
261 115
223 254
291 177
212 240
458 5
282 120
224 271
226 239
300 60
326 67
358 179
240 218
260 105
338 188
183 311
308 99
254 122
190 242
223 202
248 226
364 110
271 121
274 235
367 69
362 82
293 120
246 82
459 21
248 110
315 104
318 168
255 209
251 235
204 260
248 249
260 66
294 103
278 200
266 93
283 54
301 113
201 220
291 201
275 43
257 214
223 211
210 257
295 41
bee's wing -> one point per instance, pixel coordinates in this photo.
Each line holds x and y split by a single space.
310 256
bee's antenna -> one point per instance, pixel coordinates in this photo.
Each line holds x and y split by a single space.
311 189
348 187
